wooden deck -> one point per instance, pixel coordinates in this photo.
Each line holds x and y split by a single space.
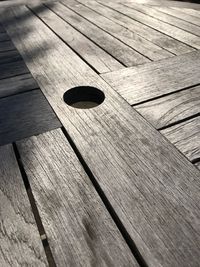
117 184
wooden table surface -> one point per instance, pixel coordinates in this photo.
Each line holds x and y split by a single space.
117 184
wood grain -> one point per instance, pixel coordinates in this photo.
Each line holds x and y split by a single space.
6 46
152 187
12 69
166 17
133 11
25 115
3 37
90 52
192 12
141 83
10 56
112 11
17 84
114 47
197 164
20 243
132 39
78 226
172 108
186 137
184 15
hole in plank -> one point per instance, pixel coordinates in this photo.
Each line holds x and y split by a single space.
84 97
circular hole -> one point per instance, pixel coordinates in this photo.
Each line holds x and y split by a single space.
84 97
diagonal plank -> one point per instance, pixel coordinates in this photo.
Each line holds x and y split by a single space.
79 229
142 83
90 52
25 115
138 43
20 243
6 46
168 18
192 12
151 186
135 12
186 137
17 84
123 53
172 108
154 36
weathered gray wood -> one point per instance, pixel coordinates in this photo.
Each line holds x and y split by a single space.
4 37
154 36
183 15
79 228
172 108
186 137
114 47
141 83
13 68
137 42
152 187
25 115
192 12
6 46
167 17
179 34
197 164
9 56
17 84
93 54
20 243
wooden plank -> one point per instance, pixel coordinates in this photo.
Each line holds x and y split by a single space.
20 240
192 12
137 42
169 18
13 68
90 52
154 36
10 56
184 16
4 37
172 108
17 84
25 115
6 46
186 137
142 83
144 181
185 37
197 164
113 46
79 228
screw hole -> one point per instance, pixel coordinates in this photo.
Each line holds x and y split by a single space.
84 97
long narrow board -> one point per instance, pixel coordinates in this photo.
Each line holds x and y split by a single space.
138 43
12 69
154 36
6 46
179 13
172 108
142 83
114 47
192 12
4 37
176 33
17 84
152 187
25 115
20 243
157 13
90 52
186 137
10 56
77 224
